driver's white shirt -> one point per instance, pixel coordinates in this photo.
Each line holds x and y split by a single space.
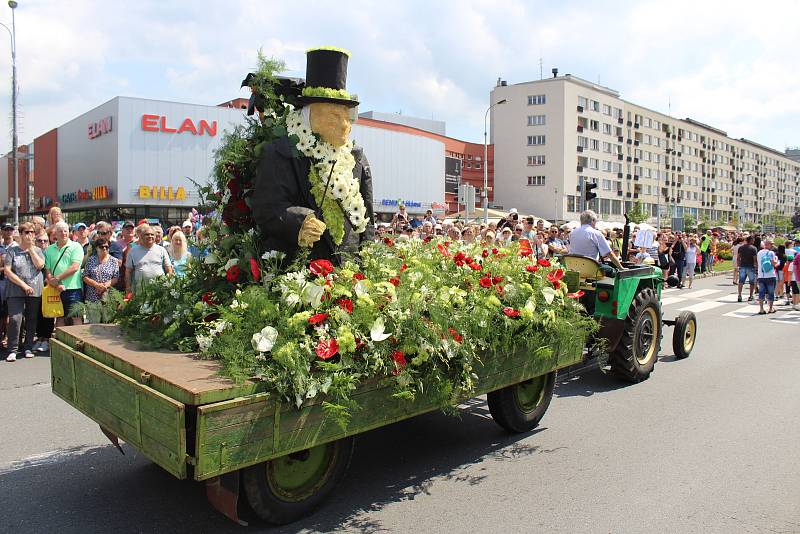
588 241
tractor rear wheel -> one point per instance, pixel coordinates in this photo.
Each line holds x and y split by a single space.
637 351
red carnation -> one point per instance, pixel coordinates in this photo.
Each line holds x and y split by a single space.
455 335
242 206
321 267
346 305
388 241
395 281
327 348
233 273
485 253
475 266
255 269
208 298
494 251
531 268
544 262
497 279
359 276
317 318
485 282
510 312
555 276
525 249
443 249
399 361
460 256
233 186
576 295
128 296
403 267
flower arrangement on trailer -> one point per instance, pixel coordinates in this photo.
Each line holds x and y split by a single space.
421 314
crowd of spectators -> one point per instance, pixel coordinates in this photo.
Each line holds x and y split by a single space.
683 255
83 262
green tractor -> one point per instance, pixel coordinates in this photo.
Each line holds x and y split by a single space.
627 303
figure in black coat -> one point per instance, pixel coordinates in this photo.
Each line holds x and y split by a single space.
282 201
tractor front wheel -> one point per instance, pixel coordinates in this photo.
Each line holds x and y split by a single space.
637 352
684 336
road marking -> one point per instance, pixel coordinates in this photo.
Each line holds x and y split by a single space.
702 306
730 299
671 300
669 290
743 312
702 293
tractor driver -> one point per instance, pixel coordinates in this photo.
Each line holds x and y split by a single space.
590 242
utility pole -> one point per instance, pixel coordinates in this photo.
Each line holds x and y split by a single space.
14 160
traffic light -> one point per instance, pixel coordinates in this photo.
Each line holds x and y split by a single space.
588 195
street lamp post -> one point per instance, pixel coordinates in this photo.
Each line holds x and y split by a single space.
484 192
14 163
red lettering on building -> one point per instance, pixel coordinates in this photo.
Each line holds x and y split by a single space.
159 123
150 123
98 128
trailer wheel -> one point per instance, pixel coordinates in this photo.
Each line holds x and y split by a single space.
520 407
290 487
684 335
637 351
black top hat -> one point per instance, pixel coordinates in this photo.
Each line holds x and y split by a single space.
326 77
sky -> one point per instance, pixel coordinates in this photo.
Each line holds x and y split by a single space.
731 64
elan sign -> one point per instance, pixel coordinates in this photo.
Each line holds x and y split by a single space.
160 123
98 128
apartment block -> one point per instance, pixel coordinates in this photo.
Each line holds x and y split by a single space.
551 133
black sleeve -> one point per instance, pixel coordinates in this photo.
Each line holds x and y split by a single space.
275 198
366 194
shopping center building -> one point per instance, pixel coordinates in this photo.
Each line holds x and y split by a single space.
134 158
550 134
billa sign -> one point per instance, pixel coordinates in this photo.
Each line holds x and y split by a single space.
159 192
160 123
98 128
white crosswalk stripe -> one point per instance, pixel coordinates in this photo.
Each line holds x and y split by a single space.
702 306
671 300
743 312
696 294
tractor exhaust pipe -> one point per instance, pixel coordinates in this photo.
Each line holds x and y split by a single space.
626 236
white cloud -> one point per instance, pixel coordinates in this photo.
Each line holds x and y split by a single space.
729 64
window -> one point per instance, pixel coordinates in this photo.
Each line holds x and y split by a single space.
606 110
534 140
606 185
536 120
469 165
583 142
477 165
594 126
536 160
606 128
582 102
536 180
606 147
594 105
572 203
616 207
595 145
617 113
607 166
536 100
469 156
594 163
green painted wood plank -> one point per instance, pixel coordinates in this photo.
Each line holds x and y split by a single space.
163 433
254 430
167 458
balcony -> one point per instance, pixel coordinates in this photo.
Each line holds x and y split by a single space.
635 124
620 139
636 160
628 195
580 148
628 176
619 193
619 175
620 120
580 128
580 168
620 157
636 177
580 109
630 141
629 123
629 159
636 143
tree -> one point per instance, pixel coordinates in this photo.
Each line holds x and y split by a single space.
637 214
689 222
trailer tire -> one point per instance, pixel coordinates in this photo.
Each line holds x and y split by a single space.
684 335
293 486
520 407
637 351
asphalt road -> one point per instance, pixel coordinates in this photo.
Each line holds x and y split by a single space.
708 444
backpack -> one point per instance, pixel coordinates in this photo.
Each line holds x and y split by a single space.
766 262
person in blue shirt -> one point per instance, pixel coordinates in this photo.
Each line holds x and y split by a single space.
588 241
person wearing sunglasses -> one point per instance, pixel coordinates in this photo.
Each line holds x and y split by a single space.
104 231
22 266
146 261
44 325
101 272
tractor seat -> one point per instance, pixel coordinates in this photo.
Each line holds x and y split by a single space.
588 269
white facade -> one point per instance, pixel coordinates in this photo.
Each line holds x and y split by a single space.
405 167
137 152
552 133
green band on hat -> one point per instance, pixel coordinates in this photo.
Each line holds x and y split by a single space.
326 92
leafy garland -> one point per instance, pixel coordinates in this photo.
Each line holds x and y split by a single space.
418 314
327 92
